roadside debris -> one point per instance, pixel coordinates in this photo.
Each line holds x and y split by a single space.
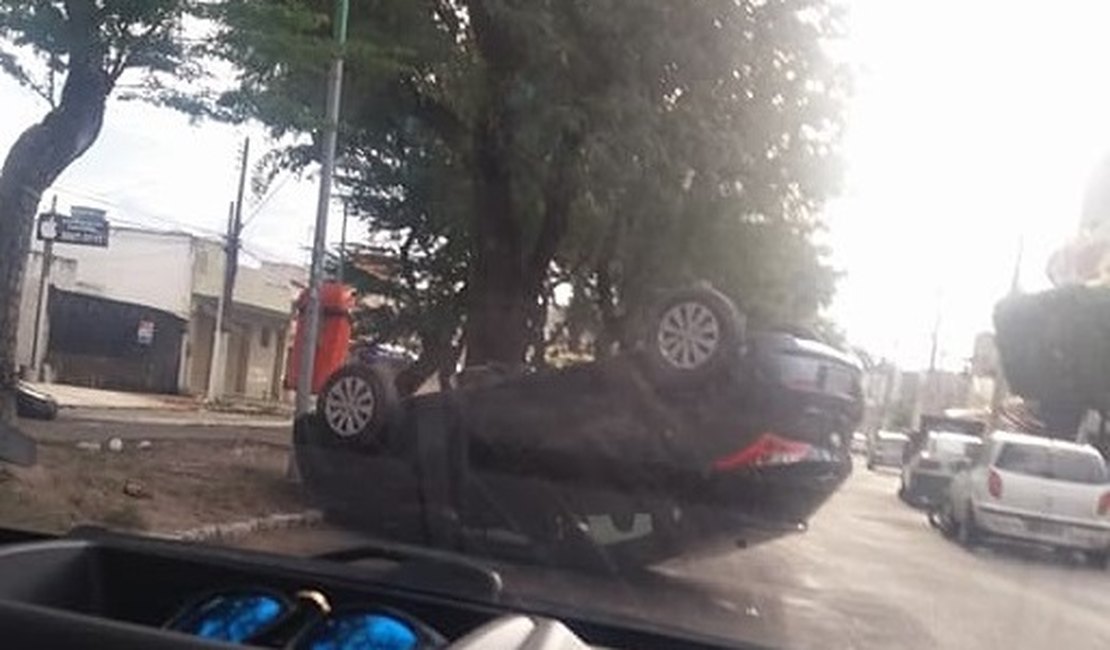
135 489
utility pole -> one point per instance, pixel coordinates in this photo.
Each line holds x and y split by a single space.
44 278
231 268
310 334
341 275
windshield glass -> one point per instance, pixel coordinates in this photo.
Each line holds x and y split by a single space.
1033 460
652 307
1078 468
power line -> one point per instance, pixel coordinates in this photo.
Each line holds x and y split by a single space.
266 199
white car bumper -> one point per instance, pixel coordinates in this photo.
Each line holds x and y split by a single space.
1091 535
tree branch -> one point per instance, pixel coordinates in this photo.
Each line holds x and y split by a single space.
439 117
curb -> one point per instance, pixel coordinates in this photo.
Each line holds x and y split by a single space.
183 423
238 529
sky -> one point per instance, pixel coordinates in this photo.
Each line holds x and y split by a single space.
975 125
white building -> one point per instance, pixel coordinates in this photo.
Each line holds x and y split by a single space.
140 315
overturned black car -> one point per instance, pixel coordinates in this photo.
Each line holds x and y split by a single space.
703 438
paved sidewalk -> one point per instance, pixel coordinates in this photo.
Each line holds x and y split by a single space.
177 418
95 398
91 404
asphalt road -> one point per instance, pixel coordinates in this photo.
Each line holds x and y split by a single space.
869 573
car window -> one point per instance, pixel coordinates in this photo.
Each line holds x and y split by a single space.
1078 467
1060 464
1032 460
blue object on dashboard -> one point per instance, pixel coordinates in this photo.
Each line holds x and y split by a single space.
232 617
361 631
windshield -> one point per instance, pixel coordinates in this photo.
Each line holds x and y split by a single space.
1046 462
650 306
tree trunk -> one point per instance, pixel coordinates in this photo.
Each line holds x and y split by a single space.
498 306
36 159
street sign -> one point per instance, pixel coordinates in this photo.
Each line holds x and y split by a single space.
85 227
145 333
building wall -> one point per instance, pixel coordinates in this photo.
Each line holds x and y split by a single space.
251 349
257 323
266 285
63 274
262 345
182 274
139 266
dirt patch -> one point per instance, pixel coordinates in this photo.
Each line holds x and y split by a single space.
172 486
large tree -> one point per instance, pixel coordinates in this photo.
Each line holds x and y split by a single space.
1055 350
85 47
620 146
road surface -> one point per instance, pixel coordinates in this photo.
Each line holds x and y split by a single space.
870 573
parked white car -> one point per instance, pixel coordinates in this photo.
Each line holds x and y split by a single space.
886 448
926 475
1033 489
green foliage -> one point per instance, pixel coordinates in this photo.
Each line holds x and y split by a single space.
1055 348
617 146
39 38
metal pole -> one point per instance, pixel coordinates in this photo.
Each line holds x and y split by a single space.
233 244
217 333
341 275
44 279
310 334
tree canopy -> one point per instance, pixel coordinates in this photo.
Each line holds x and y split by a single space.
1055 349
500 147
74 54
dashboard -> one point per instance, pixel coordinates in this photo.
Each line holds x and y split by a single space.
93 588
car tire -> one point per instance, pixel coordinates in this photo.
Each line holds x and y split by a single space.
942 518
691 335
356 404
1098 559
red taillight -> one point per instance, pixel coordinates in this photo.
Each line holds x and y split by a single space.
994 484
1104 503
769 449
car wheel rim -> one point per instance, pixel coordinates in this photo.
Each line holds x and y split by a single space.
349 405
688 335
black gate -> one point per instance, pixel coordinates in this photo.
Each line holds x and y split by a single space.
106 343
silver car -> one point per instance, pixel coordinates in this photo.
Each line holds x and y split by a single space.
926 475
886 449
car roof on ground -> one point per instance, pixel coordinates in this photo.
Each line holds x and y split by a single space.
1027 439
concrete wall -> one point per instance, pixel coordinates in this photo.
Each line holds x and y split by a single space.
63 275
143 267
183 275
266 285
251 348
